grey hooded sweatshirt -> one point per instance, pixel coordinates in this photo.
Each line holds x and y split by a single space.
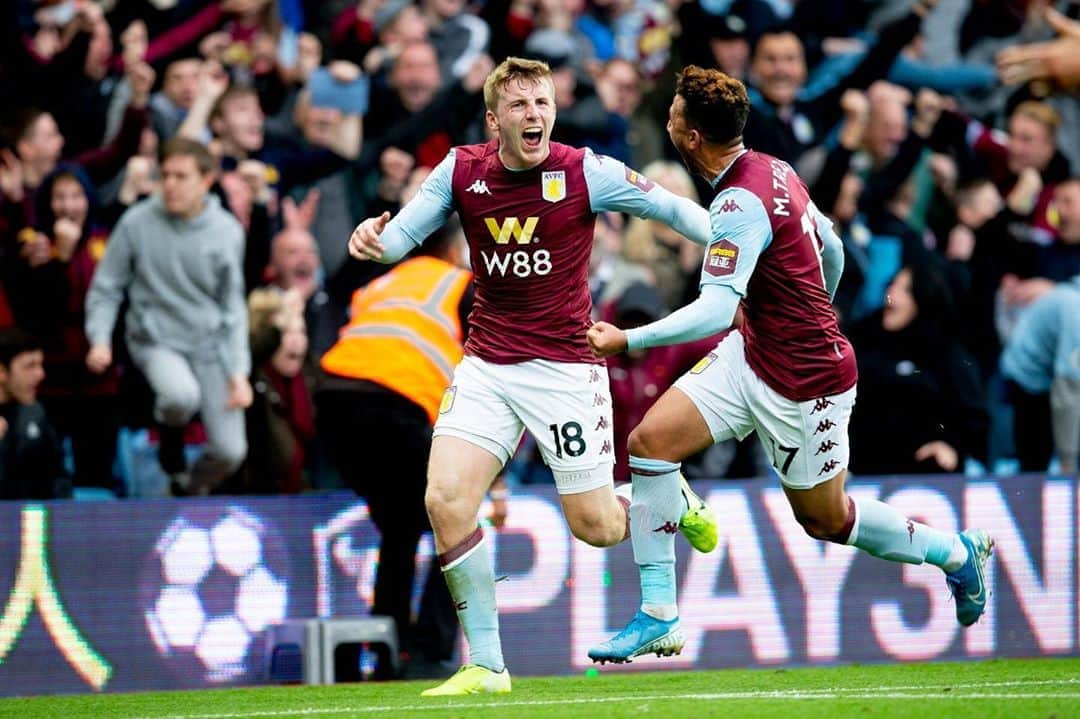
185 281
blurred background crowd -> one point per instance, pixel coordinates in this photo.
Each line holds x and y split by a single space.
943 138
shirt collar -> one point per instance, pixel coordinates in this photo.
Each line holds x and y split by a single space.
716 180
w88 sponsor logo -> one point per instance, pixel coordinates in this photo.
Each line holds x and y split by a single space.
519 263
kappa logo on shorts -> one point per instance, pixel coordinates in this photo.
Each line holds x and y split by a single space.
829 466
594 375
602 424
821 405
599 400
605 448
703 363
824 426
448 396
825 447
722 258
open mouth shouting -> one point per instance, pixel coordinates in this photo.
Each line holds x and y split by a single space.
532 138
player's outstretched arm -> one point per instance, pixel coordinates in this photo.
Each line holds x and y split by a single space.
712 312
614 186
387 240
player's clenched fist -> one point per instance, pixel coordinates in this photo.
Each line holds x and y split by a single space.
606 339
364 242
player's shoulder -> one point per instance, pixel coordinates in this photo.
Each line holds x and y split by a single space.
759 174
477 152
736 202
570 155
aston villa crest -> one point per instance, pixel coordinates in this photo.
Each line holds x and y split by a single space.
553 186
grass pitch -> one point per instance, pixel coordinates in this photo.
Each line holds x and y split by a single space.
1013 689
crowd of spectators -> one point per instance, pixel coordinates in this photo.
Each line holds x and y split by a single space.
155 154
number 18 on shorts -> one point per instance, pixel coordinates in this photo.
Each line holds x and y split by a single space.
566 407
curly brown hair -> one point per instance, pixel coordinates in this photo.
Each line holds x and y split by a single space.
716 104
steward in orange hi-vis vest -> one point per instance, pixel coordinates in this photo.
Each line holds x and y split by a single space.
405 333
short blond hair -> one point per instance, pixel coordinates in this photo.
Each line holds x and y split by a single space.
263 304
514 68
1041 113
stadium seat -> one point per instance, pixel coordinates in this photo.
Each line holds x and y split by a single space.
293 652
357 630
302 650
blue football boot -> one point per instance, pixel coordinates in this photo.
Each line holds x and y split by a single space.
967 584
643 635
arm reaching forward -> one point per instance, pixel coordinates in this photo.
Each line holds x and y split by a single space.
614 186
387 241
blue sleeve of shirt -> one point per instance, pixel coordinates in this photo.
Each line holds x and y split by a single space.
832 250
711 312
741 231
424 213
614 186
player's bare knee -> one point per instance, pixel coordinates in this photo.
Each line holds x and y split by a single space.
826 526
441 498
645 442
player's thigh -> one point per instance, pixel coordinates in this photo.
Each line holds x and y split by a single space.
459 472
566 406
475 409
672 430
713 387
807 442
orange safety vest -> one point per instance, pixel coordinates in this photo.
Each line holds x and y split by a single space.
404 333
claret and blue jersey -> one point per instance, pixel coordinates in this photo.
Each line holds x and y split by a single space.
530 235
774 248
775 254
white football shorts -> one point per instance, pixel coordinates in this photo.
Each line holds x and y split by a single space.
807 442
565 406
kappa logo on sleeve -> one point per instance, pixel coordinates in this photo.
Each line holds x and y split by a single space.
638 180
721 258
